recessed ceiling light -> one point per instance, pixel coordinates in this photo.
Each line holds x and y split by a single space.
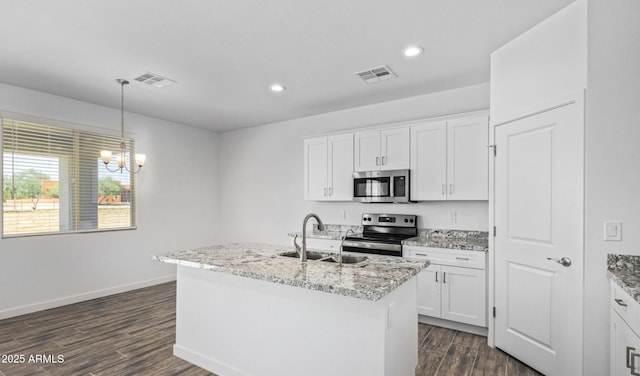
277 88
413 51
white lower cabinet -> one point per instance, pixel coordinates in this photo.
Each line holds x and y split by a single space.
625 343
453 287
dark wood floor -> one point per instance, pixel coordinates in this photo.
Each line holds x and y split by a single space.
133 333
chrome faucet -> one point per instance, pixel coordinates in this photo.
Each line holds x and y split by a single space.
342 245
303 251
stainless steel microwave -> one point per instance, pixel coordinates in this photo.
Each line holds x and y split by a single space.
381 186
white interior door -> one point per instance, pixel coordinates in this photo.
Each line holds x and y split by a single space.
538 203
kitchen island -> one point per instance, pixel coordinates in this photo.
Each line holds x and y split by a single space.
242 309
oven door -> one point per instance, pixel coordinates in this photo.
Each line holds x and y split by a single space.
378 248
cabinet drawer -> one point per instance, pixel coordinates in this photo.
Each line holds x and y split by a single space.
626 307
452 257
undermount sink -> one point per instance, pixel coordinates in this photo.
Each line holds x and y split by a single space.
311 255
347 259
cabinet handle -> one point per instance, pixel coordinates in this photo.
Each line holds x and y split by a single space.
421 254
462 258
450 188
629 350
325 191
444 192
436 276
444 277
377 161
383 158
620 302
330 191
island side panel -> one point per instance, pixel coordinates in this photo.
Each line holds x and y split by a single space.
401 341
234 325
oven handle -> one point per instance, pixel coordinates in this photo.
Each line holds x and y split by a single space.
367 245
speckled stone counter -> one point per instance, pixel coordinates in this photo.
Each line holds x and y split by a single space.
624 270
370 280
451 239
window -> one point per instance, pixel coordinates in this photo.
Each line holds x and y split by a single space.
53 181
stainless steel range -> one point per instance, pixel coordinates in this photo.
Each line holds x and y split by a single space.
382 234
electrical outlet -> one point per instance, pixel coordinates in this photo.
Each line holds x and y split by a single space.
391 314
344 214
453 216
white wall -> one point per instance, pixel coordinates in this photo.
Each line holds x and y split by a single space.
612 158
261 170
531 72
177 208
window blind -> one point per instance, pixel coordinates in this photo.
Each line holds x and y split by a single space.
53 181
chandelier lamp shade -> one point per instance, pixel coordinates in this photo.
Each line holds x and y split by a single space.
106 155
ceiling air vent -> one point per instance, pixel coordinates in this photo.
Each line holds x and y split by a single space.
376 74
154 80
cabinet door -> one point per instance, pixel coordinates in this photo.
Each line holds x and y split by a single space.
367 151
394 149
468 159
429 161
340 167
625 347
315 169
463 295
429 291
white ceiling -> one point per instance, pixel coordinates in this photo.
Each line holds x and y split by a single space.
225 54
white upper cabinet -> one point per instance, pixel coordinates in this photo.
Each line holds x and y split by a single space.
429 161
340 168
328 168
468 159
367 151
449 159
386 149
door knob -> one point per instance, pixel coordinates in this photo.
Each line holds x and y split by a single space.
565 261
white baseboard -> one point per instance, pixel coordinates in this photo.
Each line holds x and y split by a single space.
59 302
206 362
479 330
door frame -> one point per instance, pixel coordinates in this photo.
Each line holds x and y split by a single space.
577 97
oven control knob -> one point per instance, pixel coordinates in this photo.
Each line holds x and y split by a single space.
411 220
406 220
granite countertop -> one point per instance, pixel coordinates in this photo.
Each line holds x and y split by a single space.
369 280
433 238
624 270
451 239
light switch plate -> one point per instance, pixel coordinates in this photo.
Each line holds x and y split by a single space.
612 230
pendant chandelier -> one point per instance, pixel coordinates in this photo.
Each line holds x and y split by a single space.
120 158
